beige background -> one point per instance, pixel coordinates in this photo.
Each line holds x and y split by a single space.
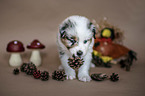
26 20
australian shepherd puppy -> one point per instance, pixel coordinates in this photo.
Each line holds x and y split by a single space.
76 37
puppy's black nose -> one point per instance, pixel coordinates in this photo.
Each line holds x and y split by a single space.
79 53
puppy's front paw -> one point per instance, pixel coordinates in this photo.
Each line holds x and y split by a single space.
70 74
84 77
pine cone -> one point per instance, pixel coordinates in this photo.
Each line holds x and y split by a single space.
99 77
36 74
44 76
107 64
126 64
114 77
122 63
16 71
97 60
30 68
75 62
23 67
59 75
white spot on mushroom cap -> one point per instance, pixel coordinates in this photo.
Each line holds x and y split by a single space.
38 43
15 42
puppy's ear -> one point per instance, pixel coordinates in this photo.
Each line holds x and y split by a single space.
62 34
62 30
92 28
64 26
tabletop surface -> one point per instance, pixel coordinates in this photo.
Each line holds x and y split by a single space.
26 20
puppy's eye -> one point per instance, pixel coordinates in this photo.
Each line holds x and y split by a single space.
85 41
71 40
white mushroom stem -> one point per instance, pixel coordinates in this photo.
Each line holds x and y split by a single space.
35 57
15 60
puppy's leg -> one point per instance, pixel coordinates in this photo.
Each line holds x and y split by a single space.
83 72
68 70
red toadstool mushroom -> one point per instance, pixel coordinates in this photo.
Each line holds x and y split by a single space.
35 56
15 47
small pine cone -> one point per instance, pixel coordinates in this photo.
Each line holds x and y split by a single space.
59 75
75 62
36 74
44 76
99 77
98 61
122 63
30 68
114 77
23 67
125 64
16 71
107 64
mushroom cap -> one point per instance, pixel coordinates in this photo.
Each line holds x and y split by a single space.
35 44
15 46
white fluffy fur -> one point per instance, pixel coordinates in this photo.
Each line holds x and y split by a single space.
81 31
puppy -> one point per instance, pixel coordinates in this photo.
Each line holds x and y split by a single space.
76 37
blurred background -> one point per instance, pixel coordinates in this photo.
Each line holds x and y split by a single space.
26 20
